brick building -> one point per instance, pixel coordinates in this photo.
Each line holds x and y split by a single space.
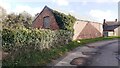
82 29
45 19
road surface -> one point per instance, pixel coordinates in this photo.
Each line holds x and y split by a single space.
107 55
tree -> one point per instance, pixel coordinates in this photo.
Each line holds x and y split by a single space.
2 16
2 13
26 19
10 21
13 20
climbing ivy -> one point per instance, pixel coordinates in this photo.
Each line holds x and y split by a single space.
65 22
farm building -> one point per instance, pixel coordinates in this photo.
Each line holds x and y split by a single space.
111 28
51 19
45 19
87 29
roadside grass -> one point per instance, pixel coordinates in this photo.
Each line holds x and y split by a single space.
85 41
41 58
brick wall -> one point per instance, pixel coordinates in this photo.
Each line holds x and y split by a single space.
38 22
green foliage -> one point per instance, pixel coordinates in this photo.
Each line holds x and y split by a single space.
84 41
23 57
27 46
7 39
36 38
65 22
22 44
15 21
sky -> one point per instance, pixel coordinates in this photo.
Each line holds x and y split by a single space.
91 10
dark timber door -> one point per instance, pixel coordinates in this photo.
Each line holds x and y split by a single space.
46 22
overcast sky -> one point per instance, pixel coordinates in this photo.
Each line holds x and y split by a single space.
94 10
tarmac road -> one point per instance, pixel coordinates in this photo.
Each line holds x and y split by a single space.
107 56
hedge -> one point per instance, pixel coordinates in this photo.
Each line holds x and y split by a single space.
22 43
34 38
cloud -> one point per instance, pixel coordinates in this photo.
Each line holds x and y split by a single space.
105 1
32 11
6 6
13 1
97 1
84 2
72 11
61 2
19 8
100 14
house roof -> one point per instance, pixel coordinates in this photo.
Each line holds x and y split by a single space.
110 28
41 12
89 31
110 25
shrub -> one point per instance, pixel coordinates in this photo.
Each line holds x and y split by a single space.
7 39
21 44
35 38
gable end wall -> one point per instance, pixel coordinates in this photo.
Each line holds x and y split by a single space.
38 22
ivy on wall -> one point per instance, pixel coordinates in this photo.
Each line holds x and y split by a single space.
65 22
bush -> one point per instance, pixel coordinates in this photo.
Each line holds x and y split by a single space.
35 38
7 39
21 44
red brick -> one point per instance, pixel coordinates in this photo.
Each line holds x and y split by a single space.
38 22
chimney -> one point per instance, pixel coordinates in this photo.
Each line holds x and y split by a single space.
104 21
115 20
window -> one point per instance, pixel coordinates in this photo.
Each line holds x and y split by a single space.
46 22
